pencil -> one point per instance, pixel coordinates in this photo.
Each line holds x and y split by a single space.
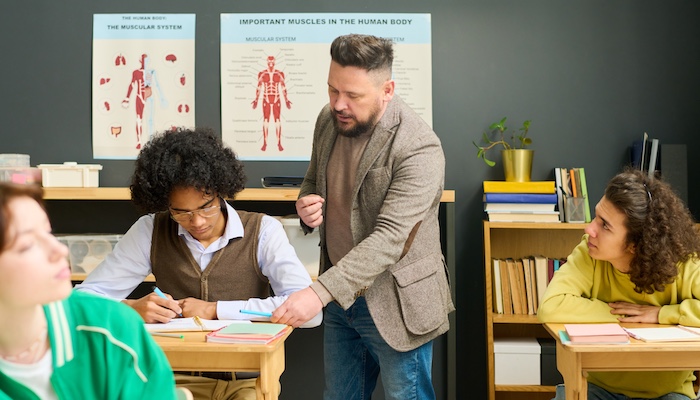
172 335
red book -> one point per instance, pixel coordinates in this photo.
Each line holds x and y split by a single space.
550 269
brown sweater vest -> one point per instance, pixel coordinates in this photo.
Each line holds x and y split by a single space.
232 274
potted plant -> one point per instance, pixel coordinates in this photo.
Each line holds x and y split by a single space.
517 159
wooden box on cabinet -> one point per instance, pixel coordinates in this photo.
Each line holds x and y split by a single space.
518 240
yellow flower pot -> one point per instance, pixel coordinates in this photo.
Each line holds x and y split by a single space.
517 164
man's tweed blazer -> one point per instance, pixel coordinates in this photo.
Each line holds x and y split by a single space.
397 260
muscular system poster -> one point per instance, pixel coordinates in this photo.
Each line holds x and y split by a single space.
274 69
142 80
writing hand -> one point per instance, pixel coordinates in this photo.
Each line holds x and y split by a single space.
299 307
630 312
154 309
204 309
310 210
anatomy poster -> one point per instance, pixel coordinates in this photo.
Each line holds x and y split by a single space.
142 80
274 70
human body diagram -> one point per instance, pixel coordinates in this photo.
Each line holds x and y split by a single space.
143 81
271 84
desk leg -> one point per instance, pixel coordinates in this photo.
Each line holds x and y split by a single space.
267 386
569 365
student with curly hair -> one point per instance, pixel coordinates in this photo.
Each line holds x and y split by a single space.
637 262
59 344
211 260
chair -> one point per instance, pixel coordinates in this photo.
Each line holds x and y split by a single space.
183 393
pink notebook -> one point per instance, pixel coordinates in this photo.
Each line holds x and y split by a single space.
596 333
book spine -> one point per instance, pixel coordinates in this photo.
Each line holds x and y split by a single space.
584 193
560 193
572 178
520 198
519 187
653 156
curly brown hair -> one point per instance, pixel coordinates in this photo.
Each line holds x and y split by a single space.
659 226
184 158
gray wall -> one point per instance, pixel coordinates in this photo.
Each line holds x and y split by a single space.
592 75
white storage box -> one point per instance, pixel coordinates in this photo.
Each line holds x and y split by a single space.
517 361
306 246
87 251
70 174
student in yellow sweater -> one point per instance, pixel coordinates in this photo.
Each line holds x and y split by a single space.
637 262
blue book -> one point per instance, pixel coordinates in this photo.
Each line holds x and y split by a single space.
539 198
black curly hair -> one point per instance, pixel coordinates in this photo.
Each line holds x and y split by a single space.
184 158
659 226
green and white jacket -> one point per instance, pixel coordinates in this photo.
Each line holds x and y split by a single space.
100 350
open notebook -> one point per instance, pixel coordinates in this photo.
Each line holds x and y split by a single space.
676 333
190 325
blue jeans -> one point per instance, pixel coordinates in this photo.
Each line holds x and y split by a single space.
598 393
354 354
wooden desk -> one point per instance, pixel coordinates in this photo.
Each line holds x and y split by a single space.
195 354
574 361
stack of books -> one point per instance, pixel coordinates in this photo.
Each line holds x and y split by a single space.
533 201
519 283
595 333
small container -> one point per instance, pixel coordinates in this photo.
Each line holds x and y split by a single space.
14 160
575 209
87 251
70 174
517 361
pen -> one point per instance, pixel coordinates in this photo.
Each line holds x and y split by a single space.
260 313
172 335
161 294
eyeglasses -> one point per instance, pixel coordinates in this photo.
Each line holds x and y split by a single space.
186 216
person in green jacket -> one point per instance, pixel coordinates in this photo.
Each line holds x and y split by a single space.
637 263
60 344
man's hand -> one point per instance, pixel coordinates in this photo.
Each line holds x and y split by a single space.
299 307
630 312
203 309
153 308
255 104
310 210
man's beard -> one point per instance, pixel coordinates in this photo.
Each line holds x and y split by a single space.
360 126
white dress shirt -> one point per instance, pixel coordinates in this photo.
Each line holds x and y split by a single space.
129 263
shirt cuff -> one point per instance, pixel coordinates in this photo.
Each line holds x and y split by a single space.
322 293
